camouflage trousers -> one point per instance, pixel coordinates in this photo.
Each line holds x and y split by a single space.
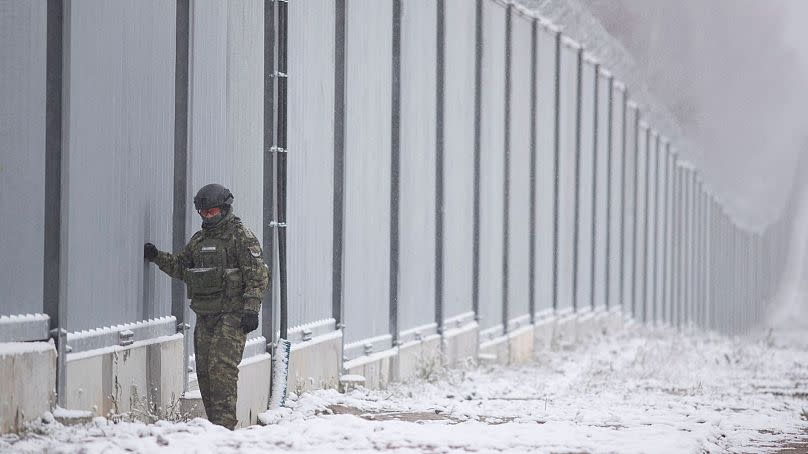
219 344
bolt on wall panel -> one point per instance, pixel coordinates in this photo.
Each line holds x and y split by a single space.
545 168
616 187
629 211
226 108
601 201
416 284
520 160
566 175
586 187
310 160
458 154
22 155
492 165
368 44
117 160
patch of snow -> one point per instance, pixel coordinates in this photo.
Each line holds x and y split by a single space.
657 391
18 348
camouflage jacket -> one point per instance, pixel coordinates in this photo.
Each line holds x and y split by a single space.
222 268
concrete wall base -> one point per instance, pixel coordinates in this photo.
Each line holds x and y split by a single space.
28 382
520 345
461 345
418 359
495 350
253 388
376 368
114 379
585 326
601 322
315 364
565 327
543 332
614 322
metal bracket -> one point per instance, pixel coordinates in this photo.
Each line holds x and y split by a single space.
276 149
279 75
277 225
126 337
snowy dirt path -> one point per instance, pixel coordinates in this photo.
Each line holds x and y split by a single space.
650 392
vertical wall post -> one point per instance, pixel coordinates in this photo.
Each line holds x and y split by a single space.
634 208
395 168
579 62
267 327
594 194
337 309
663 316
657 227
179 228
478 62
534 53
280 134
440 103
609 157
57 91
647 227
507 169
556 162
623 133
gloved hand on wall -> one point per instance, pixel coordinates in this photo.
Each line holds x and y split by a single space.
149 251
249 322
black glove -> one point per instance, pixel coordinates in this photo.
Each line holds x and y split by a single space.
249 321
149 251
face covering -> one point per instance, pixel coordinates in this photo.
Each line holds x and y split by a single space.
212 221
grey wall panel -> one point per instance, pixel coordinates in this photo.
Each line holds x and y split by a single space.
629 210
586 187
545 168
566 176
118 160
616 197
492 164
368 44
519 192
458 205
601 192
641 225
22 155
651 229
311 160
416 285
226 107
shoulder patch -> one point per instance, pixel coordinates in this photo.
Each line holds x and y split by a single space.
255 250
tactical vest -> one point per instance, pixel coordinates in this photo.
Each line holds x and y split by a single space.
214 285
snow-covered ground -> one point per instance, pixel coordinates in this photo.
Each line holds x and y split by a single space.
650 391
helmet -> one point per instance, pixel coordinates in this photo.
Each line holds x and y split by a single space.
212 195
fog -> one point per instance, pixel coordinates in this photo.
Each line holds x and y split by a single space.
733 73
